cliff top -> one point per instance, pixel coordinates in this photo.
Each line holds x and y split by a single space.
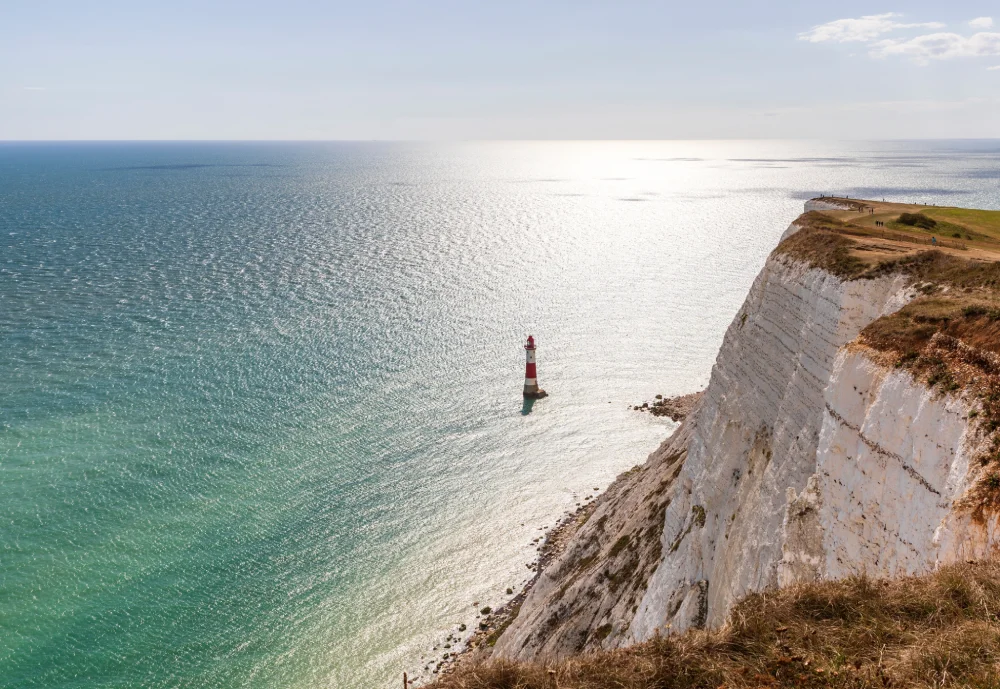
886 230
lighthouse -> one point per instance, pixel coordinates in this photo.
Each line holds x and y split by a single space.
531 389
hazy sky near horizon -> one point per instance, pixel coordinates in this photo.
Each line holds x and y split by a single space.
513 70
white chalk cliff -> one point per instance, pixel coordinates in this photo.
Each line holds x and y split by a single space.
808 457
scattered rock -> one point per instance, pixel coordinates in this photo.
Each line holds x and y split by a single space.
479 645
677 408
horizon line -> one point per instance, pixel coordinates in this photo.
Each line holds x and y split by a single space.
494 140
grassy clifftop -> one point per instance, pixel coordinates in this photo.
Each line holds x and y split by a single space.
856 244
933 631
971 228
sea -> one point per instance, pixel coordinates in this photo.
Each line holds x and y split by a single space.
261 421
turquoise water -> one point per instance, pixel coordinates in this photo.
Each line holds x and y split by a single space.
262 423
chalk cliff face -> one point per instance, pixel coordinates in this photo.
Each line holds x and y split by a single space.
825 205
893 460
756 436
809 456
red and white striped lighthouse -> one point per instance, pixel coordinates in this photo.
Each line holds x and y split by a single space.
531 388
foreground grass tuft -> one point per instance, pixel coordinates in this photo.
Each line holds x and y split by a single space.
939 630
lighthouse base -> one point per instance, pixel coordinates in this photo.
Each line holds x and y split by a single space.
535 394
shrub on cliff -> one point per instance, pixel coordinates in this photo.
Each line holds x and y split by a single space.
932 631
917 220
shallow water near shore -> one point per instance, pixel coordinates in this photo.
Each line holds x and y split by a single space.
262 422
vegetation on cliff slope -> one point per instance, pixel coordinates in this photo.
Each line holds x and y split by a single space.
938 630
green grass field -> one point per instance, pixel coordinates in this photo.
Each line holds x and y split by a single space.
984 223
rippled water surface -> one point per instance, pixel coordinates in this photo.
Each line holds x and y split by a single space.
261 422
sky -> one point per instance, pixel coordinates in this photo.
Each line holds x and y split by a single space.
443 70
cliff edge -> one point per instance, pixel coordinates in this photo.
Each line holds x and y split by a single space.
849 426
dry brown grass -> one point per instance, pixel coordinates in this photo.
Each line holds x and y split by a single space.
832 244
819 244
853 249
939 630
944 269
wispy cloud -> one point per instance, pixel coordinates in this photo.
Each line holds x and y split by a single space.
862 29
922 49
34 88
940 46
995 68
